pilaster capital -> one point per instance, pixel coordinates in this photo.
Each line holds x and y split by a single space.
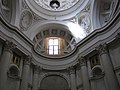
82 61
9 46
71 70
117 36
27 60
102 48
36 69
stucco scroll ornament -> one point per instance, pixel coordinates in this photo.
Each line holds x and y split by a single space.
82 61
102 48
85 23
9 46
6 9
36 69
27 60
117 36
5 3
71 69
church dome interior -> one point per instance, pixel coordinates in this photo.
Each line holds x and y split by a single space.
59 45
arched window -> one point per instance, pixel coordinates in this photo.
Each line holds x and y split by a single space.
54 45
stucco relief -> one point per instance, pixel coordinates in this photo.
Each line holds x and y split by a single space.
107 11
26 20
6 10
85 22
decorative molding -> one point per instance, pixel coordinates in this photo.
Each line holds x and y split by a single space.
102 48
40 38
26 19
87 8
36 18
30 86
107 10
27 60
82 61
24 5
71 70
117 36
84 21
36 69
98 77
6 9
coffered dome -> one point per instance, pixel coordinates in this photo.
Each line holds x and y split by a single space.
56 5
57 9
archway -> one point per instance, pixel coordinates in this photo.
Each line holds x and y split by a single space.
54 82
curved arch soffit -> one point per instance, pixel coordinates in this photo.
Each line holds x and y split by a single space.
75 29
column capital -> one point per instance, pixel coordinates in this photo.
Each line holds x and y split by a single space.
117 36
36 69
82 61
102 48
9 46
71 70
27 60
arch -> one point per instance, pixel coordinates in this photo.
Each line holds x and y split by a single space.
95 14
43 25
102 12
51 75
54 82
71 27
14 71
13 7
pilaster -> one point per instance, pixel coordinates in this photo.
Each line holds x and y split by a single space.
84 72
72 78
35 77
25 74
111 80
5 62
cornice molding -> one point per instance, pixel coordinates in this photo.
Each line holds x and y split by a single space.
15 29
72 55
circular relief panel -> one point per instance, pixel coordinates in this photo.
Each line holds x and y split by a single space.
84 22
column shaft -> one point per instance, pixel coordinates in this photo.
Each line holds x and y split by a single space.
73 79
35 78
108 68
25 75
4 64
85 76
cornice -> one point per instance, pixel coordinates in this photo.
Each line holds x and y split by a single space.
15 29
70 59
103 29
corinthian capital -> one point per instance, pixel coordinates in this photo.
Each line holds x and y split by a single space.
102 48
71 70
82 61
9 45
27 60
36 69
118 36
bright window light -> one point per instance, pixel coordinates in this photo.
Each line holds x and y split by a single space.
77 31
53 46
